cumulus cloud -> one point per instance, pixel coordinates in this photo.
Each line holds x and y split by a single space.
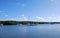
54 18
58 18
40 18
50 17
23 18
37 18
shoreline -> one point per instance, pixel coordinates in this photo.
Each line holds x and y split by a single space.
25 22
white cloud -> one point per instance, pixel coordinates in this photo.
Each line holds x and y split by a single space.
58 18
40 18
54 18
23 18
37 18
50 17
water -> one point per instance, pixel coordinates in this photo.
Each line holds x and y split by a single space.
37 31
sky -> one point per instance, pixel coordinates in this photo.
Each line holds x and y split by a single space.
30 10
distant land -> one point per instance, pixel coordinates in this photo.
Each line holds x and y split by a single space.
25 22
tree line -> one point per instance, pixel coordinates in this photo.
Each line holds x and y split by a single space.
25 22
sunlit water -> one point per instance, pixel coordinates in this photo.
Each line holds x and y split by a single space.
35 31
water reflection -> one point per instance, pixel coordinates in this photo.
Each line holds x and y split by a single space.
39 31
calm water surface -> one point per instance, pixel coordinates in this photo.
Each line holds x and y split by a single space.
36 31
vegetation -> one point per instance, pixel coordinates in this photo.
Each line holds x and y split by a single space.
25 22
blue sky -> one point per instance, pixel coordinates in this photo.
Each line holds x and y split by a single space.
30 10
